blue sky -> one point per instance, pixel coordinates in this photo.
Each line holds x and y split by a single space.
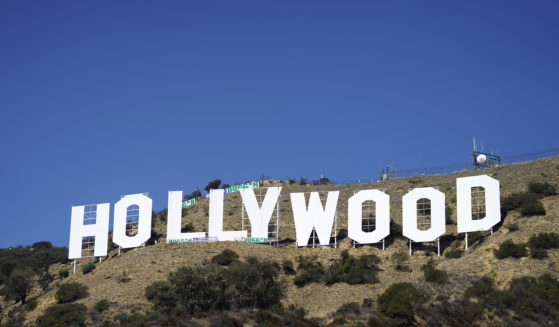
104 98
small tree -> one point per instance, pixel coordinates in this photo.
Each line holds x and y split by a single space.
71 292
213 185
19 284
398 301
63 273
226 257
69 314
400 258
256 283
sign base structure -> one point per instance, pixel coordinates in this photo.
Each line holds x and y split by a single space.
314 240
193 240
272 237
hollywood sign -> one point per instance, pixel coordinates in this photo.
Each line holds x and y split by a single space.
307 218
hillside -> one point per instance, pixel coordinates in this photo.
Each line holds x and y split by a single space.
143 266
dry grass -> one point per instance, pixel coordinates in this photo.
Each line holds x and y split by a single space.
145 266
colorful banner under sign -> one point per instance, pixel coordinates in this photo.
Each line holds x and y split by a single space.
188 203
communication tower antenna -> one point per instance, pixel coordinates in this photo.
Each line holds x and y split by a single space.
475 147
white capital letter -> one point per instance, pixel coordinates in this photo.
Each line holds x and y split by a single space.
174 218
215 228
464 203
260 216
100 230
144 221
409 211
314 217
355 216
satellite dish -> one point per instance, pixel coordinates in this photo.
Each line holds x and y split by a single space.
481 159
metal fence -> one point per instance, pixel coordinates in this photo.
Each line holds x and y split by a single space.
444 170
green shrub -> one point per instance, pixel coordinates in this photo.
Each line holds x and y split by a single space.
256 283
481 288
102 305
544 241
296 310
350 307
544 189
162 295
538 253
367 302
226 257
31 304
434 275
398 301
509 249
474 237
287 267
351 270
516 200
309 270
191 289
533 295
532 209
63 273
69 314
71 292
512 227
400 258
454 253
88 267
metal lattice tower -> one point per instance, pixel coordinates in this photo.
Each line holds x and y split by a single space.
88 242
423 214
273 226
478 203
132 218
313 239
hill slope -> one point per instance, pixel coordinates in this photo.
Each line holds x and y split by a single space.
145 265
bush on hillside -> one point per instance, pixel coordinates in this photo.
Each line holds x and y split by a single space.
309 270
69 314
63 273
481 287
102 305
509 249
351 270
400 258
191 289
532 209
544 188
544 241
226 257
398 301
349 307
71 292
454 253
88 267
516 200
287 267
256 283
19 284
434 275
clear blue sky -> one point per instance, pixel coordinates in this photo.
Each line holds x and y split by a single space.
104 98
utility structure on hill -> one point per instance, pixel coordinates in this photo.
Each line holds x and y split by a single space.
482 160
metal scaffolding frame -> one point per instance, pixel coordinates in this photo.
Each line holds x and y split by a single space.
423 207
369 218
314 237
132 218
88 242
273 225
478 207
